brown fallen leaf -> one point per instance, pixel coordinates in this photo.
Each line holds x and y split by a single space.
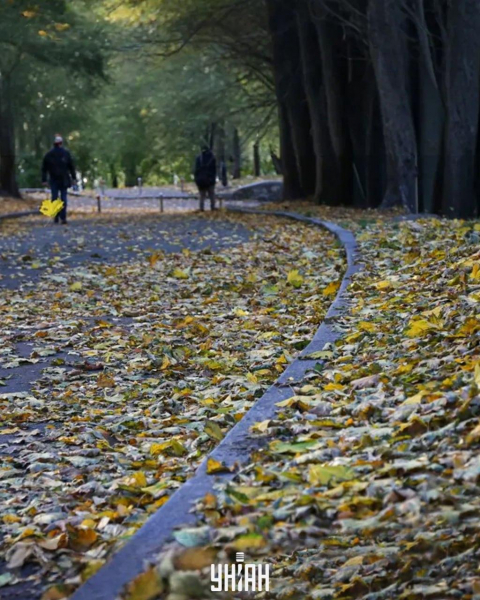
146 586
195 559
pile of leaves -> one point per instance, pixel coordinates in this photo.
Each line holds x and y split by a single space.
145 366
368 487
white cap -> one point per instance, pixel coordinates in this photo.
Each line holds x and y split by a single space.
58 139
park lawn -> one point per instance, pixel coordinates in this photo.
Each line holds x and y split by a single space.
368 483
158 358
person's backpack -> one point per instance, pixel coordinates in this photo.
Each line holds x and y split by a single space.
203 172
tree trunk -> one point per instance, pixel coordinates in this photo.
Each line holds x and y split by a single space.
237 155
328 187
388 49
375 147
220 148
130 169
334 77
276 162
462 87
431 120
257 166
113 175
8 180
298 156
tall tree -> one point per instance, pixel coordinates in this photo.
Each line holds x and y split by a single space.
51 33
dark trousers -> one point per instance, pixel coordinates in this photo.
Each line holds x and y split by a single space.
59 189
207 192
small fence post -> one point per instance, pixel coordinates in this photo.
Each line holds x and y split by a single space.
99 203
161 202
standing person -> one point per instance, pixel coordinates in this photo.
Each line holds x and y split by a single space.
59 170
206 176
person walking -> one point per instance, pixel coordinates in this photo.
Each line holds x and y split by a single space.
206 176
58 170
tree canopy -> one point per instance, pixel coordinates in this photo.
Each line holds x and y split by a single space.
377 100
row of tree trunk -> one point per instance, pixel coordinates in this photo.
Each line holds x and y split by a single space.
379 102
8 182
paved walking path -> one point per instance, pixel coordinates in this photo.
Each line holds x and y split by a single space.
44 252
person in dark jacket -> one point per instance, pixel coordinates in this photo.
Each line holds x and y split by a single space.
59 170
206 176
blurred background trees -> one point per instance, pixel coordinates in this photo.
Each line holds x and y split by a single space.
363 103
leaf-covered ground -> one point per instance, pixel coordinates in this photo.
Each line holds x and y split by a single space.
13 205
368 484
148 339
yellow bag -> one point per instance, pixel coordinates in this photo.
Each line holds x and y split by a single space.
51 208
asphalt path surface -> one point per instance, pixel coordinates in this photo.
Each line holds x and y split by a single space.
37 249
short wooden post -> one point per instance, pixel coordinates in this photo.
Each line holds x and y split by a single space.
161 203
99 203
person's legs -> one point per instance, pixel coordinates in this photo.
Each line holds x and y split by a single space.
55 189
203 195
63 212
211 194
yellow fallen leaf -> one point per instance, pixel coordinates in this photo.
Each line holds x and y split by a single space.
417 399
251 541
213 431
333 386
8 519
474 435
165 363
179 274
419 328
383 285
366 326
261 426
154 258
215 466
76 287
136 480
294 278
325 474
475 274
331 288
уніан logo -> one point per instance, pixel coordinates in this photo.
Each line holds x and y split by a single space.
240 577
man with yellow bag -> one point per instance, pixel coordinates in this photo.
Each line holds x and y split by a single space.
59 169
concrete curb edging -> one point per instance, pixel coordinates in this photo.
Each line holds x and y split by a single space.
236 447
28 213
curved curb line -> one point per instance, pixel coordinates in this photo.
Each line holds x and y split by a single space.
236 447
18 215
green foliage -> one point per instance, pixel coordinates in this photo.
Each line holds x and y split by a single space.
110 77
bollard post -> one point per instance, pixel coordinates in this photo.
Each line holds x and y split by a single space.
182 184
140 184
99 203
161 202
